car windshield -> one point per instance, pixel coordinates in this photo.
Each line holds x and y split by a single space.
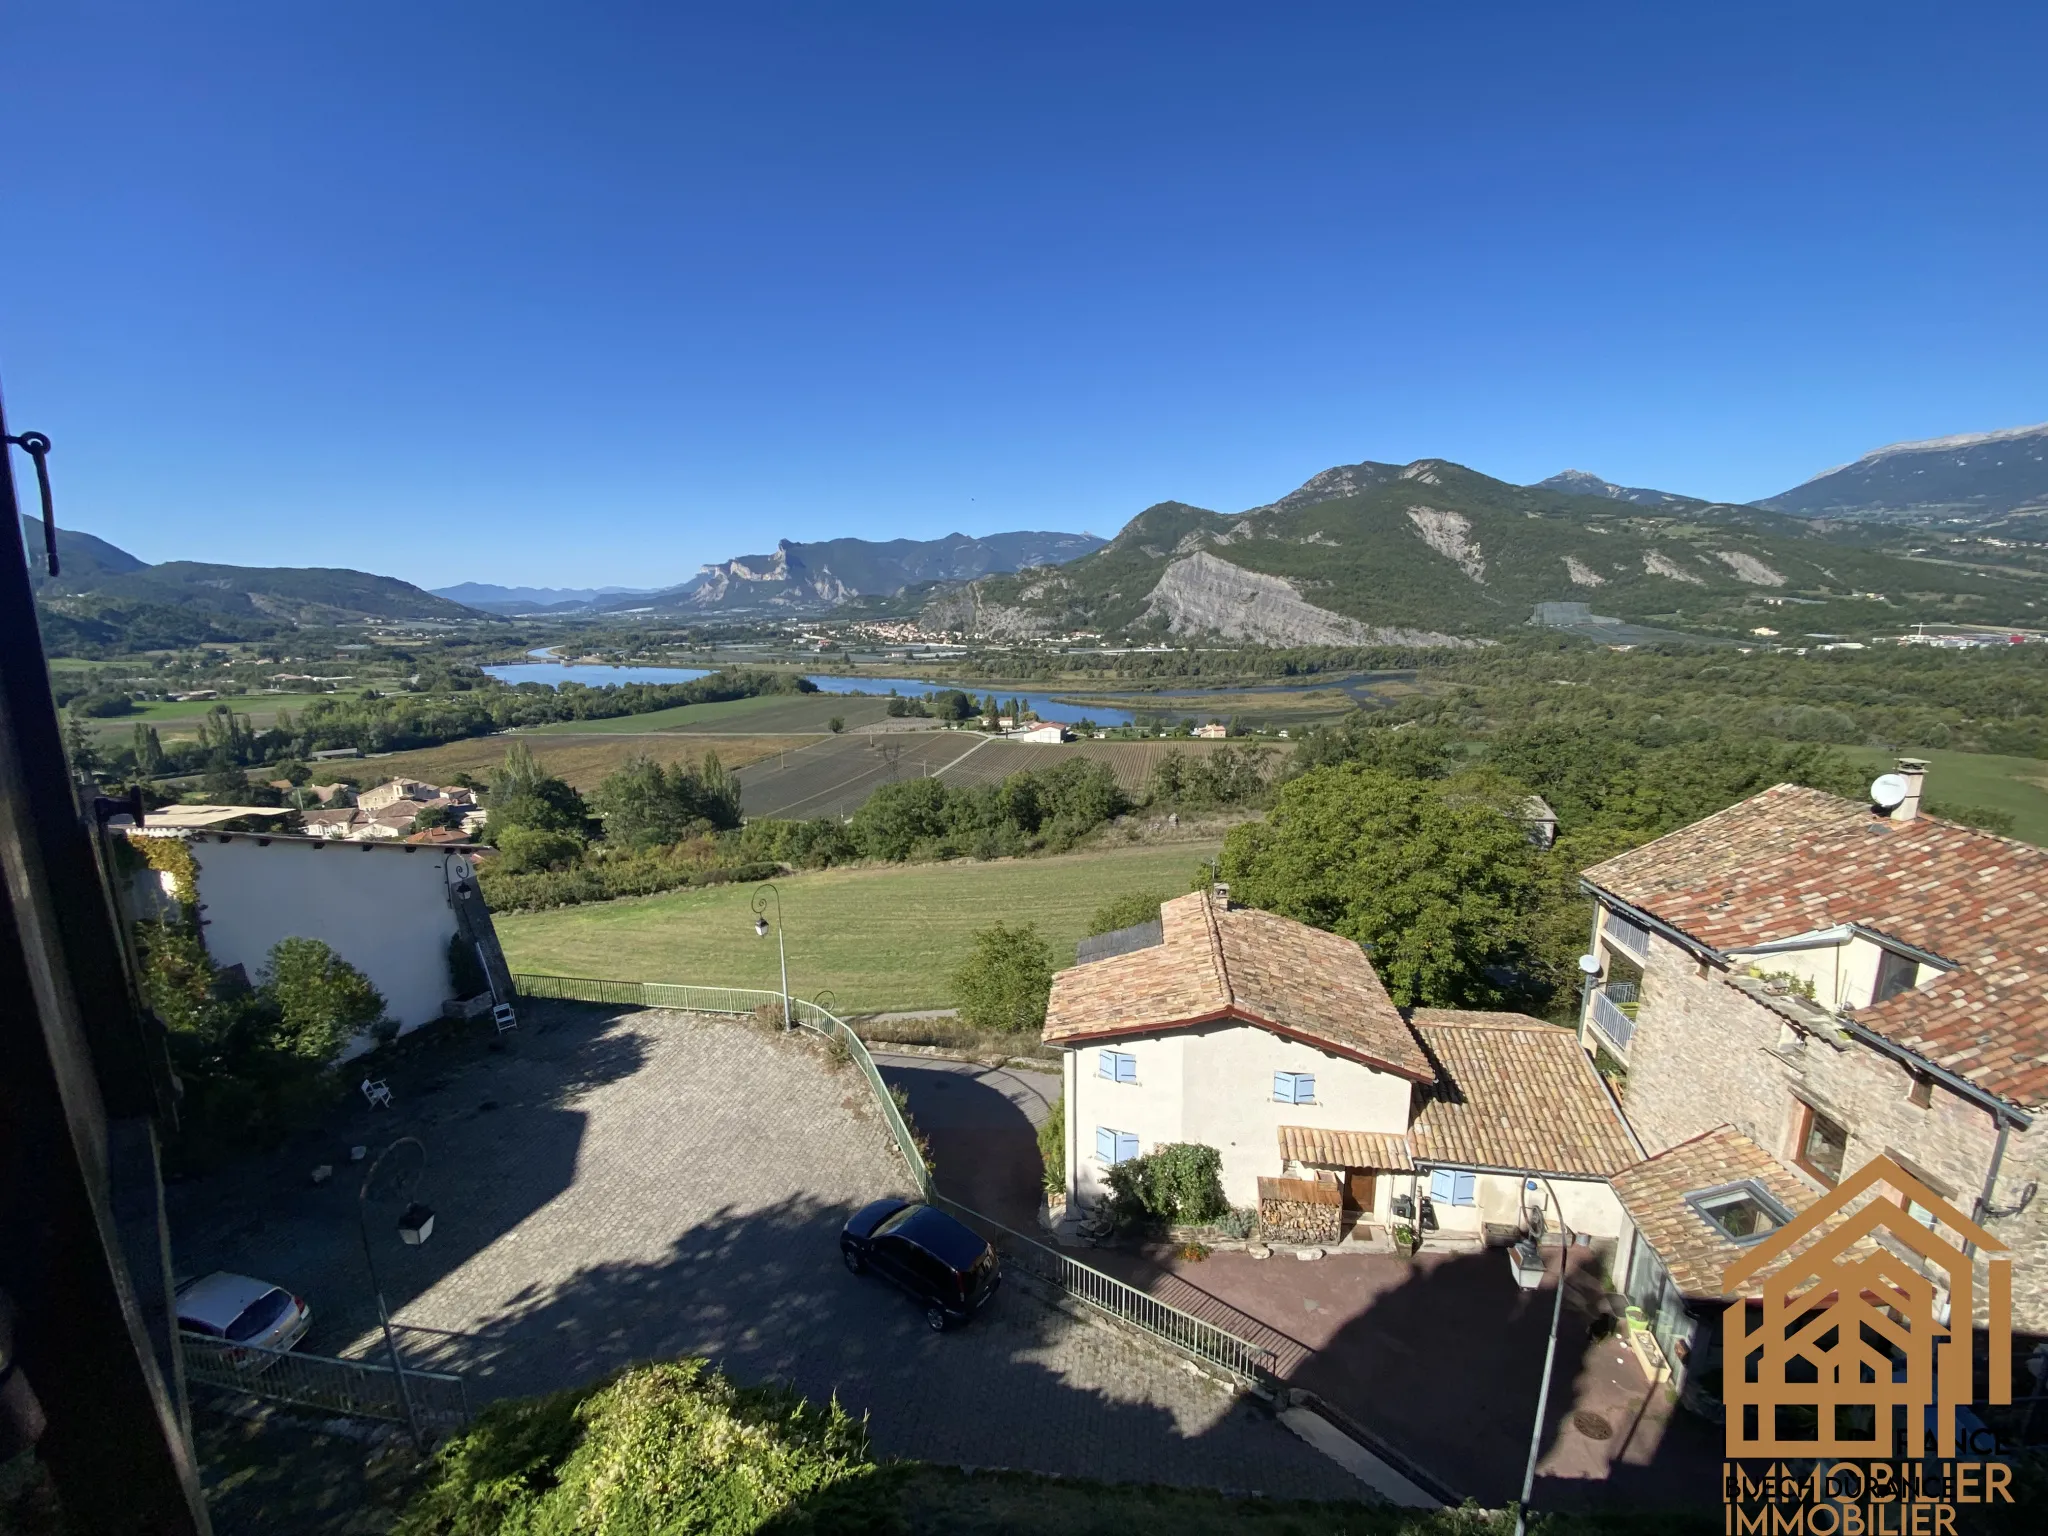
260 1315
898 1219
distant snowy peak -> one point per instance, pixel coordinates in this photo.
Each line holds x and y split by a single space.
1971 477
1577 482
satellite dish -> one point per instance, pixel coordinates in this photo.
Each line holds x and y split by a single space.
1888 791
1589 964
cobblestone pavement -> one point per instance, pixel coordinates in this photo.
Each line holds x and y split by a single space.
619 1186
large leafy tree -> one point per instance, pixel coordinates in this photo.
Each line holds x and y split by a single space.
1438 877
647 805
523 794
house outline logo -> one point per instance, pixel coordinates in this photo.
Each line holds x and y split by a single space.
1827 1287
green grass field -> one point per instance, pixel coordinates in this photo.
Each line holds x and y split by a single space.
2015 784
888 938
172 720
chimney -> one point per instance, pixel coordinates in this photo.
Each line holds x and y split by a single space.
1914 771
1219 893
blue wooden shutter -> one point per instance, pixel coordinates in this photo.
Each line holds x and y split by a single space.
1105 1064
1440 1185
1126 1146
1126 1068
1283 1087
1105 1145
1462 1187
1304 1087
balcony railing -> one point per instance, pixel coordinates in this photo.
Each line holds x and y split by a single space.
1630 937
1610 1020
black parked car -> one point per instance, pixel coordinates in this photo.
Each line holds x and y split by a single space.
943 1264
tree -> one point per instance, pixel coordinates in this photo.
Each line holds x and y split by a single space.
1439 879
436 816
898 816
1126 912
322 1001
1006 979
647 805
522 850
523 794
149 752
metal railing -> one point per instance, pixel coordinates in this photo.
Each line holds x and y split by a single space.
1610 1020
1626 934
355 1387
1107 1294
695 999
1119 1299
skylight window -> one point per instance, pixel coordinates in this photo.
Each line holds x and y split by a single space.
1742 1213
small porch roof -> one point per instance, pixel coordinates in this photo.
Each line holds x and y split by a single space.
1344 1149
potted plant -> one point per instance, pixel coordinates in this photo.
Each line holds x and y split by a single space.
1404 1239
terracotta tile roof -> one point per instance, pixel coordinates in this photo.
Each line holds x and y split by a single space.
1222 962
1792 860
1343 1149
1514 1092
1694 1251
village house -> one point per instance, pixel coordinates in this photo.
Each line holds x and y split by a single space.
1210 732
1037 731
1335 1116
392 910
387 812
1801 983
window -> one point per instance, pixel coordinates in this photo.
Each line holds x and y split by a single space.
1822 1145
1744 1212
1294 1087
1895 974
1115 1147
1117 1066
1447 1186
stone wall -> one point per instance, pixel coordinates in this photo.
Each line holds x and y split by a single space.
1704 1055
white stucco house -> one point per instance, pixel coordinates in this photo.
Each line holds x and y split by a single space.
1276 1044
388 908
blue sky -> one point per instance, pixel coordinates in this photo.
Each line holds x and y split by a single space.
569 295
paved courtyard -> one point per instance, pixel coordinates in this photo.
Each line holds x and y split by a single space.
615 1186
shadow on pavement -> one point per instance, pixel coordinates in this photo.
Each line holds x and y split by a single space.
984 1147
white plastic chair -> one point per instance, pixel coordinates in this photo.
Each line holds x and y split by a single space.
377 1092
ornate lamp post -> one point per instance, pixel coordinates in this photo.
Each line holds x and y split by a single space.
760 905
415 1226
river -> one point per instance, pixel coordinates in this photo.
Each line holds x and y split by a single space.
1045 705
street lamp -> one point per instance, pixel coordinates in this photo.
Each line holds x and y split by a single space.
760 905
415 1226
1564 1267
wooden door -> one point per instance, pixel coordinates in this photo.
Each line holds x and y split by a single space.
1361 1185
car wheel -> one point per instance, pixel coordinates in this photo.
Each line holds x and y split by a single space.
935 1318
854 1261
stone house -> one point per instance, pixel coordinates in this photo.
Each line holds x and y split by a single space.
1276 1044
1801 983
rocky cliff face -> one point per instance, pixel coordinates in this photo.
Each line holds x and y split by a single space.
1200 594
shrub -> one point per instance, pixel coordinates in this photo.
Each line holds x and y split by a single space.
1180 1182
666 1447
523 850
322 1001
1052 1147
1006 980
1125 912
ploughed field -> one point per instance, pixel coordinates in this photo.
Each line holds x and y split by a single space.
881 938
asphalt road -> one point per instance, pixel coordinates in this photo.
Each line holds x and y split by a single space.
983 1126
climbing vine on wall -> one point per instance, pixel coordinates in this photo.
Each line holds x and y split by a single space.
172 856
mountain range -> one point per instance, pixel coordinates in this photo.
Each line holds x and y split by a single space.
803 577
1429 552
1434 553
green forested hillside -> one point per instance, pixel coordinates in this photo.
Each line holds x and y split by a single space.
1435 546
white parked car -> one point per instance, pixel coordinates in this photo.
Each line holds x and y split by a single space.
239 1310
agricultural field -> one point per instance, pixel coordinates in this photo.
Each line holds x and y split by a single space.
881 938
769 715
833 776
2018 785
175 720
582 760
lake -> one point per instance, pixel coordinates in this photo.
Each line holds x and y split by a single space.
1046 706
